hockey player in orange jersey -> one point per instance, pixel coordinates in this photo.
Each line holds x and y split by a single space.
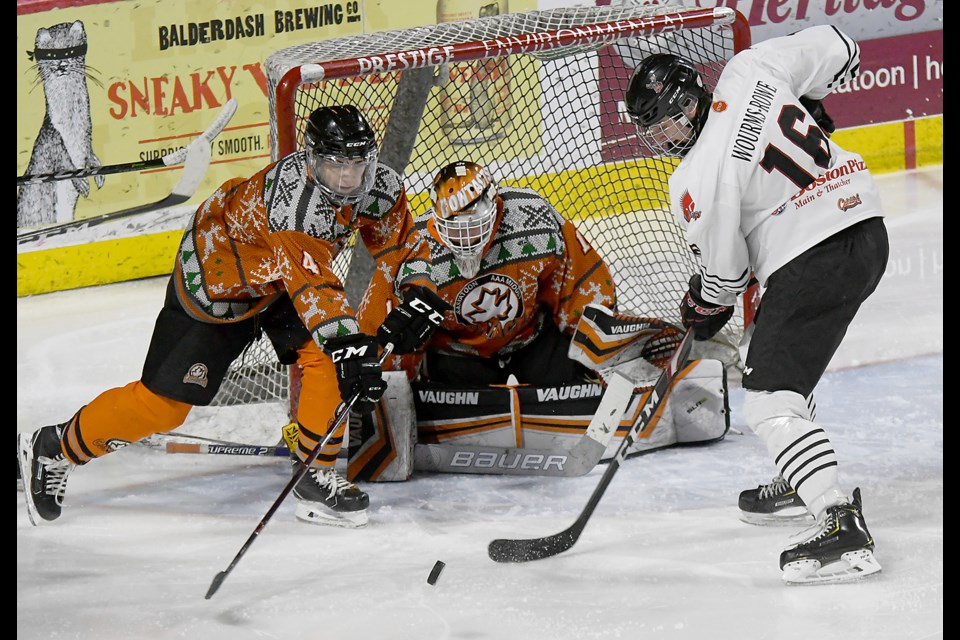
502 371
517 275
258 256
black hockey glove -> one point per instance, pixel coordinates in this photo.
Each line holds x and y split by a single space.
358 369
820 115
410 325
705 318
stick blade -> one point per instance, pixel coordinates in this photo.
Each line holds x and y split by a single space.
217 581
508 550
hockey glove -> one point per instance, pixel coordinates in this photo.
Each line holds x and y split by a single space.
358 369
705 318
820 115
410 325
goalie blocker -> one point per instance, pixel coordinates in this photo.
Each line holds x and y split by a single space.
513 429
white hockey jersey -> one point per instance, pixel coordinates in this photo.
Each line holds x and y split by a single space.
763 183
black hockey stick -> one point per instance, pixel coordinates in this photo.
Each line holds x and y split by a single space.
196 159
341 415
173 158
514 550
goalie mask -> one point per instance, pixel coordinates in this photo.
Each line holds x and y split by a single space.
465 209
341 153
667 101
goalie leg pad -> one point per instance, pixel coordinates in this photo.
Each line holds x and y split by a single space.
381 442
699 403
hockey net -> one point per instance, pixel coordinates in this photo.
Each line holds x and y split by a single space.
538 98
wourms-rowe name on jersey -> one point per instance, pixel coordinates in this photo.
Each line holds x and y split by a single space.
751 125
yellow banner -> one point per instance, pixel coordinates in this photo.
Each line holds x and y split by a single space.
124 82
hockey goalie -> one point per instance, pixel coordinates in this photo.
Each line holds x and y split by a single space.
531 354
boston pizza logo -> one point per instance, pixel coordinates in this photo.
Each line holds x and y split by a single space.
493 299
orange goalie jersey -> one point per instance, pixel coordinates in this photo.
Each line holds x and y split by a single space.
536 269
256 238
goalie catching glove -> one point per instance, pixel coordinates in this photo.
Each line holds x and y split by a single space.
358 369
410 325
705 318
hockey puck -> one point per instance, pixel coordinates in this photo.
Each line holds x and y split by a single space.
435 572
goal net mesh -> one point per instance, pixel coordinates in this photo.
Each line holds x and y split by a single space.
538 98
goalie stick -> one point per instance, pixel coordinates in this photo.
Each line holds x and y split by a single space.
343 411
525 550
195 158
578 460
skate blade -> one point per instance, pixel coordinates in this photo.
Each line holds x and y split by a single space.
852 566
25 455
778 519
319 514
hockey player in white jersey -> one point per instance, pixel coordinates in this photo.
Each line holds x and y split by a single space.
763 192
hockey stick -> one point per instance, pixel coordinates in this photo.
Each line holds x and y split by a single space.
173 158
196 157
227 449
578 460
524 550
162 439
340 416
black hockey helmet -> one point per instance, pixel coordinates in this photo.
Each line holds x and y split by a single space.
668 102
341 153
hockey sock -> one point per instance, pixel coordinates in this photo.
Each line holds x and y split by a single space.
800 448
120 416
317 404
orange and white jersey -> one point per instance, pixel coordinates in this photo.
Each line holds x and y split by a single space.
537 268
256 238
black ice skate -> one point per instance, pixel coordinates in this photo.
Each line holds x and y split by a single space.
839 549
324 497
44 470
773 504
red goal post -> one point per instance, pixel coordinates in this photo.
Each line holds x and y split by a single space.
538 98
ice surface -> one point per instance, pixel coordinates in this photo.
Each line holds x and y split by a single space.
664 556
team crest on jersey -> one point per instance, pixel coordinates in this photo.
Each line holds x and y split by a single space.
197 374
492 298
719 106
110 445
845 204
689 207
